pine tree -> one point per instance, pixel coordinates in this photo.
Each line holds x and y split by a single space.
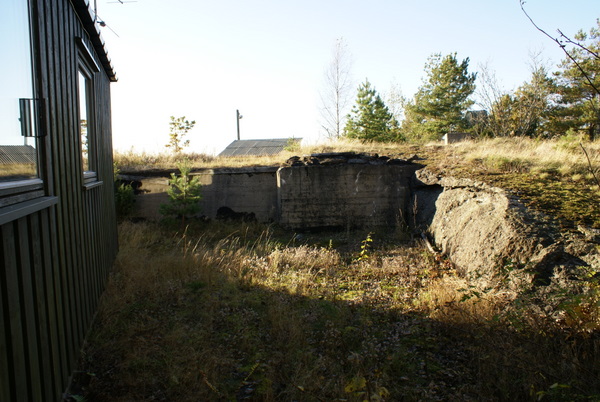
441 102
532 104
184 194
370 119
579 81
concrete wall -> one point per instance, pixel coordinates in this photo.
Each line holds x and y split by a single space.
150 193
355 195
252 189
248 189
299 197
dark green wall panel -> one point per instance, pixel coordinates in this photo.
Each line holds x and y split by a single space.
55 261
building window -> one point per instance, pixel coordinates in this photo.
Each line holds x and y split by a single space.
84 81
87 68
19 111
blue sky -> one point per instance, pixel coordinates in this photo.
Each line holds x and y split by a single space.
205 59
15 77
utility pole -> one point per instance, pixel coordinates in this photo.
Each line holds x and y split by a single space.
238 118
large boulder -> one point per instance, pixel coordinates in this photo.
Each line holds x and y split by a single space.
486 232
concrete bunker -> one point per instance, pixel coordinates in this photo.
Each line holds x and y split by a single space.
480 228
329 190
343 190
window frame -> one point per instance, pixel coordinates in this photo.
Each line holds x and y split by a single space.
87 66
27 190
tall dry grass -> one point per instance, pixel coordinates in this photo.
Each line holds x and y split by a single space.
17 171
523 154
516 154
129 160
247 312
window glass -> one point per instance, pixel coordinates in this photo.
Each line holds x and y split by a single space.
84 86
18 155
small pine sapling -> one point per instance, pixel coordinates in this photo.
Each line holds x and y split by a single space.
184 194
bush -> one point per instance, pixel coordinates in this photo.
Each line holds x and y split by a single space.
124 200
124 196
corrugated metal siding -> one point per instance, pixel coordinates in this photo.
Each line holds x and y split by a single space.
14 154
257 147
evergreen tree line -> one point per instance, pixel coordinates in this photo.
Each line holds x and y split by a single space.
548 105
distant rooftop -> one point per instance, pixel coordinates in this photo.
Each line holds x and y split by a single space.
16 154
258 147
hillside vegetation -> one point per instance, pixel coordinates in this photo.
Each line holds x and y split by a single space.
251 312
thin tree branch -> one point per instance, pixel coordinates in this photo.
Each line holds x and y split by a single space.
579 45
563 47
590 167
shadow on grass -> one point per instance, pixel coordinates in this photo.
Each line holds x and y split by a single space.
222 324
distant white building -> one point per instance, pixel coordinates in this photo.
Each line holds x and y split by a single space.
452 137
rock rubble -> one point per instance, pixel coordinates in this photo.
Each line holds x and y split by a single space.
350 158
